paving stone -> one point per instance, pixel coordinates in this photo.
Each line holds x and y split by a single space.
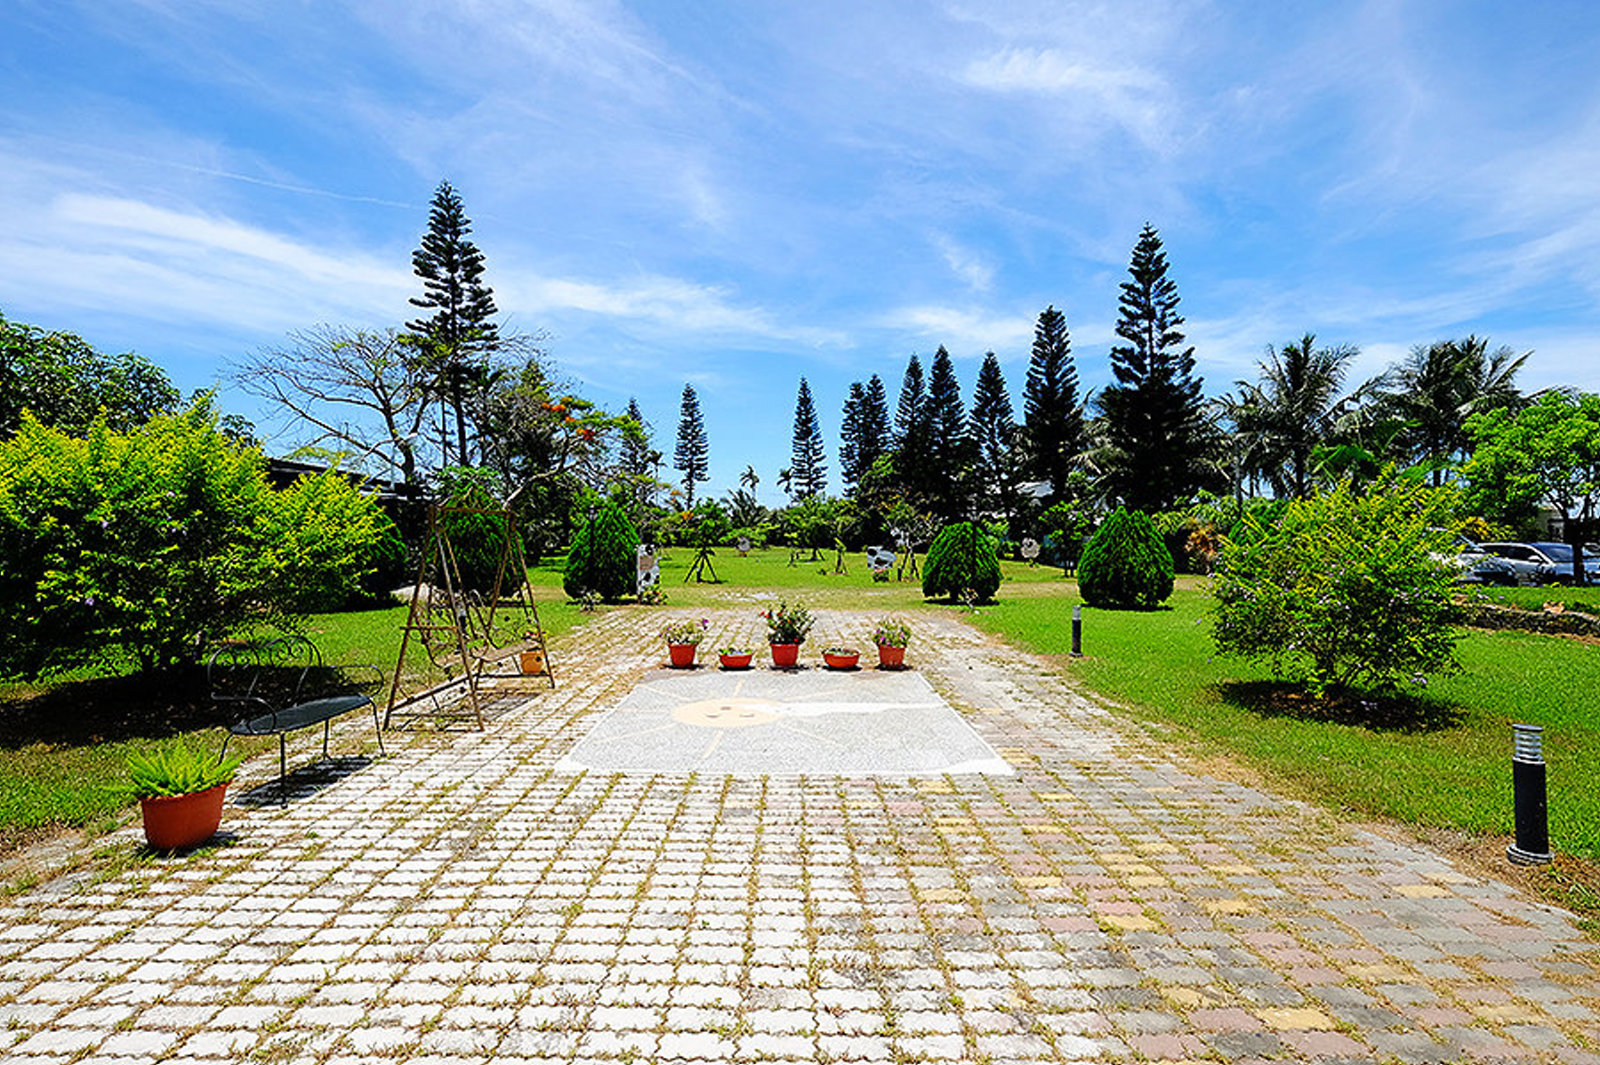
1095 899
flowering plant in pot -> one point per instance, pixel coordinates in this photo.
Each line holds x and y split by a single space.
891 636
735 657
683 637
787 627
180 794
841 657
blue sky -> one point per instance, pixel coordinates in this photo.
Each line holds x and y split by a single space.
736 194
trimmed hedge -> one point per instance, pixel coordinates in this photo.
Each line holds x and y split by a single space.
1126 564
604 556
960 558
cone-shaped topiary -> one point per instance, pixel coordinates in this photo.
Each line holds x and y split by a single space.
604 557
961 559
1126 565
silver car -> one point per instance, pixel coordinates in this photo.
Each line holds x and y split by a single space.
1528 563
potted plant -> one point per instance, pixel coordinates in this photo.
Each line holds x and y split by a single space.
735 657
787 627
891 636
180 794
841 657
683 637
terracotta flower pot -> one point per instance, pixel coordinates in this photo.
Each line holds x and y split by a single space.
174 821
785 655
682 654
737 661
840 661
532 663
891 657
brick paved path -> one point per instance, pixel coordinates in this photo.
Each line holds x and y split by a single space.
461 901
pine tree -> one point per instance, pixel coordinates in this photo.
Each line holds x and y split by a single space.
691 456
1052 411
994 436
1156 438
807 465
456 341
947 472
637 461
875 420
911 429
908 414
864 431
850 434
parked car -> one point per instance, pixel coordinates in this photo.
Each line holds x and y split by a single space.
1473 565
1541 562
1561 554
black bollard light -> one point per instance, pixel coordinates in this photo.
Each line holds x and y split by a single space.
1077 630
1528 793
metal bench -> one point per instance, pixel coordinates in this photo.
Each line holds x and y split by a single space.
282 685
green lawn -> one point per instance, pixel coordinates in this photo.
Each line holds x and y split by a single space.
1449 764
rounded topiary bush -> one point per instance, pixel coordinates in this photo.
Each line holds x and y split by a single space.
961 558
604 557
1126 564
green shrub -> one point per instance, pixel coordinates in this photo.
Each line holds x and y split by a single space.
392 565
603 560
329 541
1125 564
1344 590
961 559
152 541
477 527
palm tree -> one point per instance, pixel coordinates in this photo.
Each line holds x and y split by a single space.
1439 386
1292 410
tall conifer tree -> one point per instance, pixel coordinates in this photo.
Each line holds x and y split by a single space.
946 472
877 418
908 412
910 428
1052 412
808 470
851 431
636 459
994 438
455 341
1153 420
692 455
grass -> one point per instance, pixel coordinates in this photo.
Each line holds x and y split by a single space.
1440 758
1586 600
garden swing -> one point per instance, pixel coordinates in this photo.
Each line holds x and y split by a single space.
473 641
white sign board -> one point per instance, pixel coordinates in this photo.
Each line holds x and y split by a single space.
649 568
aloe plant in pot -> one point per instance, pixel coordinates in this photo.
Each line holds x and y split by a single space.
180 794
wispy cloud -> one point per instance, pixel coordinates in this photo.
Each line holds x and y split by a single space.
966 332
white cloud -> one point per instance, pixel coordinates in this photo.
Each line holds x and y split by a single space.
965 332
974 271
